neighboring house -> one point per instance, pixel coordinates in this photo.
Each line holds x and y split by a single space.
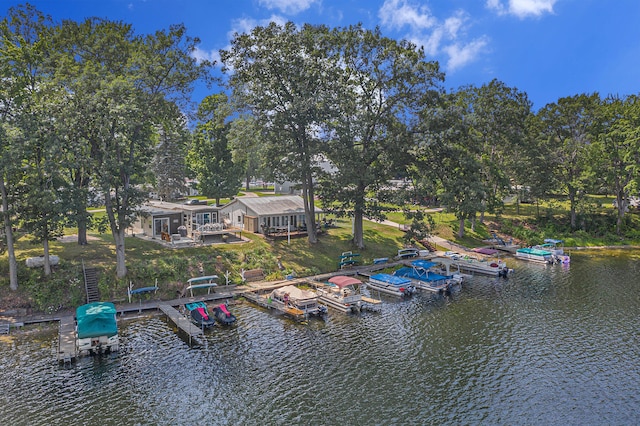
260 214
172 218
295 187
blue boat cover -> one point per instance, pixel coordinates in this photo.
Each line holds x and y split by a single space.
421 275
390 279
96 319
421 263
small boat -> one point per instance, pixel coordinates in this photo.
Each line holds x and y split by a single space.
556 247
199 314
471 264
391 285
296 302
342 293
533 254
222 315
96 328
422 274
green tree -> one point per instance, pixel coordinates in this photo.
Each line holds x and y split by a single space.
382 85
124 86
245 142
566 133
447 158
29 194
279 73
210 156
169 163
617 150
500 115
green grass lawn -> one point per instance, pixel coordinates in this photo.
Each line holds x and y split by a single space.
148 260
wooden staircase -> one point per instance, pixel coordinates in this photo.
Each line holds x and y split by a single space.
91 284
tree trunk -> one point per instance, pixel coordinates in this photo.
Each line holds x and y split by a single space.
622 206
461 228
309 209
572 209
121 268
358 229
47 262
8 232
82 230
81 182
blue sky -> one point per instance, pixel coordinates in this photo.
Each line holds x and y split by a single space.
547 48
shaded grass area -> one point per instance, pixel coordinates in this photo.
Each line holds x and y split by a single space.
148 261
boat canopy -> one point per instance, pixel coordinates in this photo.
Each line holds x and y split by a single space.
294 293
96 319
425 264
534 251
344 281
553 241
420 273
391 279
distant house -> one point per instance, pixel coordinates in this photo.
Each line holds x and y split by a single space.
261 214
295 188
161 219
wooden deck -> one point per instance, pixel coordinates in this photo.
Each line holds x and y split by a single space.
194 335
67 352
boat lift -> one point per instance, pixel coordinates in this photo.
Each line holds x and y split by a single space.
347 258
207 282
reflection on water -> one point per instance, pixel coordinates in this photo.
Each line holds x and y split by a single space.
550 345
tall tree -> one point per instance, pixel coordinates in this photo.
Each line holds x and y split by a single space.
169 163
500 116
245 142
124 87
23 57
617 150
447 157
280 74
210 156
380 85
566 131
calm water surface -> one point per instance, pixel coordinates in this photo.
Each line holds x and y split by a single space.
550 345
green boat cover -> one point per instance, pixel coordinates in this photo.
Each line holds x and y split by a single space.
96 319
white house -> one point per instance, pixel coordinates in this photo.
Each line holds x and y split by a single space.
265 214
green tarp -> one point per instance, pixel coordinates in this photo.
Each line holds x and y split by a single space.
96 319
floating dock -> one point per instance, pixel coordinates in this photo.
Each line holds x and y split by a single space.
67 352
194 334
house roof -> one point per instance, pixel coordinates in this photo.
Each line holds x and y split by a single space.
277 205
162 207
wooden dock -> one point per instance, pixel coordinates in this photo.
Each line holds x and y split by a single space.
194 335
67 340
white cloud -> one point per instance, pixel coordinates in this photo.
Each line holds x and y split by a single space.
239 26
521 8
246 25
461 55
438 37
289 7
202 55
396 14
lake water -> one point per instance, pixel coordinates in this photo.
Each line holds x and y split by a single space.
548 346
